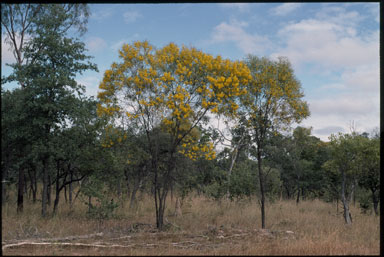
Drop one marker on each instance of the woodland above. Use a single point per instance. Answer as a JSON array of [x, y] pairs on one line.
[[169, 126]]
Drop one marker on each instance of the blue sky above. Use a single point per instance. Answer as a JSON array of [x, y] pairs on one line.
[[333, 47]]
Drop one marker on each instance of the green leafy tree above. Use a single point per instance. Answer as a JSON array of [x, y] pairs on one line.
[[369, 160], [344, 162], [273, 101], [52, 60]]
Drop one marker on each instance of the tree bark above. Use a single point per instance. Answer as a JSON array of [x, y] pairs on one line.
[[20, 191], [298, 196], [57, 196], [33, 183], [345, 200], [45, 189], [375, 201], [261, 181], [4, 181], [70, 190], [233, 161], [178, 211], [49, 188]]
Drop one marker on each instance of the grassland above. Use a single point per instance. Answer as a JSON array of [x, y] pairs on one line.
[[206, 227]]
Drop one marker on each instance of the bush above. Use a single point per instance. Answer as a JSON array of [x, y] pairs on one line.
[[103, 210]]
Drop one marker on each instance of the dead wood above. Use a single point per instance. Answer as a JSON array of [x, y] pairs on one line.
[[61, 244]]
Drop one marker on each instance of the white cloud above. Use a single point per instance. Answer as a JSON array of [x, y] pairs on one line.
[[91, 84], [242, 7], [344, 105], [131, 16], [117, 46], [102, 14], [329, 45], [234, 32], [95, 44], [285, 8], [339, 111], [364, 80], [339, 15]]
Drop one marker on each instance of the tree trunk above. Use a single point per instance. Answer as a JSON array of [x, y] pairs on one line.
[[56, 202], [132, 202], [4, 180], [233, 161], [33, 183], [160, 220], [344, 200], [261, 181], [375, 201], [298, 196], [65, 194], [45, 189], [118, 189], [281, 193], [49, 188], [89, 204], [178, 211], [57, 196], [288, 192], [20, 191], [70, 190], [25, 184], [127, 183]]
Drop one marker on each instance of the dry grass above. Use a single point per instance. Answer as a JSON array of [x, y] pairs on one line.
[[206, 228]]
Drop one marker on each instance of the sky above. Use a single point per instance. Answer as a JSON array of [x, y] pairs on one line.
[[333, 48]]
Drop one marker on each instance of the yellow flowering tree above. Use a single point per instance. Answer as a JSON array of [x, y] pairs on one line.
[[273, 102], [172, 89]]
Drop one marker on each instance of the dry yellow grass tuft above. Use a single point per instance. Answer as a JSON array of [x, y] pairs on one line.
[[205, 227]]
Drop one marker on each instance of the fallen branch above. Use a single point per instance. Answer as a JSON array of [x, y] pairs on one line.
[[47, 240], [69, 238], [61, 244]]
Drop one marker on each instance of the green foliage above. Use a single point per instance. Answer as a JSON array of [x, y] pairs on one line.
[[104, 209], [105, 206], [217, 188], [243, 180], [364, 198]]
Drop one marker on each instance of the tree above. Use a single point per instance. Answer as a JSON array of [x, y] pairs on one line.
[[369, 159], [52, 60], [170, 91], [344, 161], [273, 101], [77, 147], [15, 141], [19, 21], [22, 22]]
